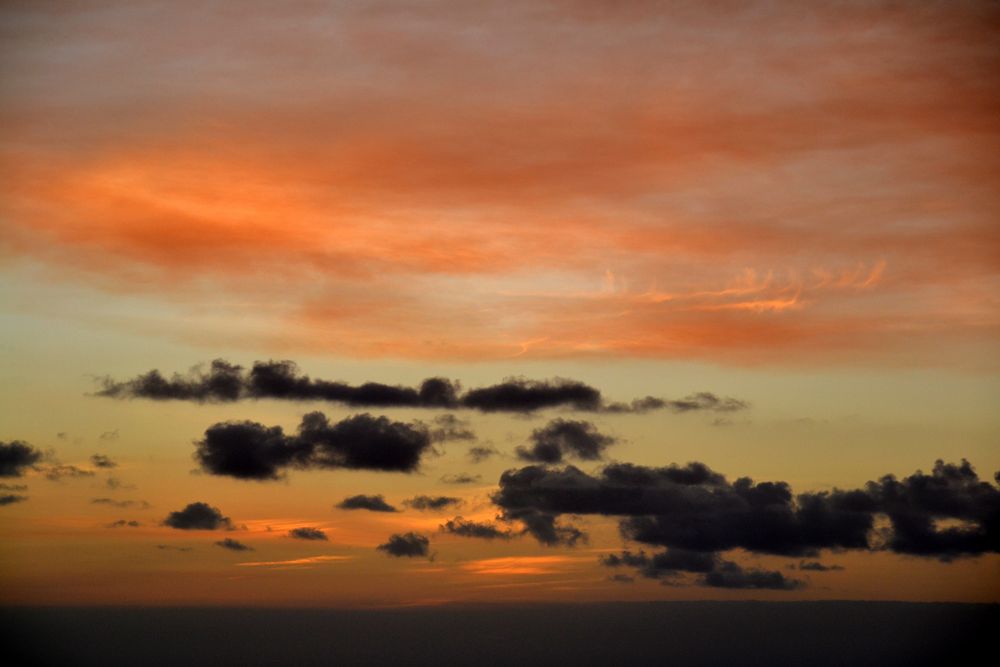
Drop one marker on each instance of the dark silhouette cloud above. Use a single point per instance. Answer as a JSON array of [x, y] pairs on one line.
[[731, 575], [141, 504], [362, 502], [464, 528], [102, 461], [522, 395], [248, 450], [816, 566], [223, 381], [109, 435], [116, 484], [947, 514], [13, 487], [11, 498], [198, 516], [307, 534], [16, 456], [543, 526], [951, 492], [122, 523], [232, 545], [434, 503], [666, 563], [407, 545], [565, 438], [168, 547]]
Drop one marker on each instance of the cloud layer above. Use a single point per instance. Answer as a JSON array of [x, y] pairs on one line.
[[223, 382]]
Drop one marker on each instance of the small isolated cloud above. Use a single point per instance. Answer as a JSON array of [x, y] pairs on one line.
[[449, 427], [141, 504], [407, 545], [13, 487], [432, 503], [168, 547], [16, 456], [109, 435], [122, 523], [59, 472], [314, 534], [102, 461], [461, 478], [731, 575], [116, 484], [566, 438], [198, 516], [11, 498], [362, 502], [816, 566], [481, 453], [233, 545], [465, 528]]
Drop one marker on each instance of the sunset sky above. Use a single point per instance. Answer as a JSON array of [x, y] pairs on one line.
[[639, 252]]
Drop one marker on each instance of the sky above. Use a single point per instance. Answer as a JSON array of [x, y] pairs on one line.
[[383, 304]]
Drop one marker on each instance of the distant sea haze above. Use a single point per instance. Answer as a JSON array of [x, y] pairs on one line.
[[657, 633]]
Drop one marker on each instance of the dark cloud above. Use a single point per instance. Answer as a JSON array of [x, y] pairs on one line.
[[58, 472], [947, 514], [565, 438], [464, 528], [307, 534], [168, 547], [621, 578], [815, 566], [198, 516], [11, 498], [109, 435], [461, 478], [16, 456], [544, 527], [917, 504], [434, 503], [223, 381], [731, 575], [122, 523], [232, 545], [408, 545], [371, 503], [248, 450], [13, 487], [141, 504], [102, 461], [481, 453], [666, 563], [523, 395]]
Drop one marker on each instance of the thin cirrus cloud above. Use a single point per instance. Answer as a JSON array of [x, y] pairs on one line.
[[224, 382], [859, 174]]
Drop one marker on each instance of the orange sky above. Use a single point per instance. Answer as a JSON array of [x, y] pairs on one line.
[[792, 204]]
